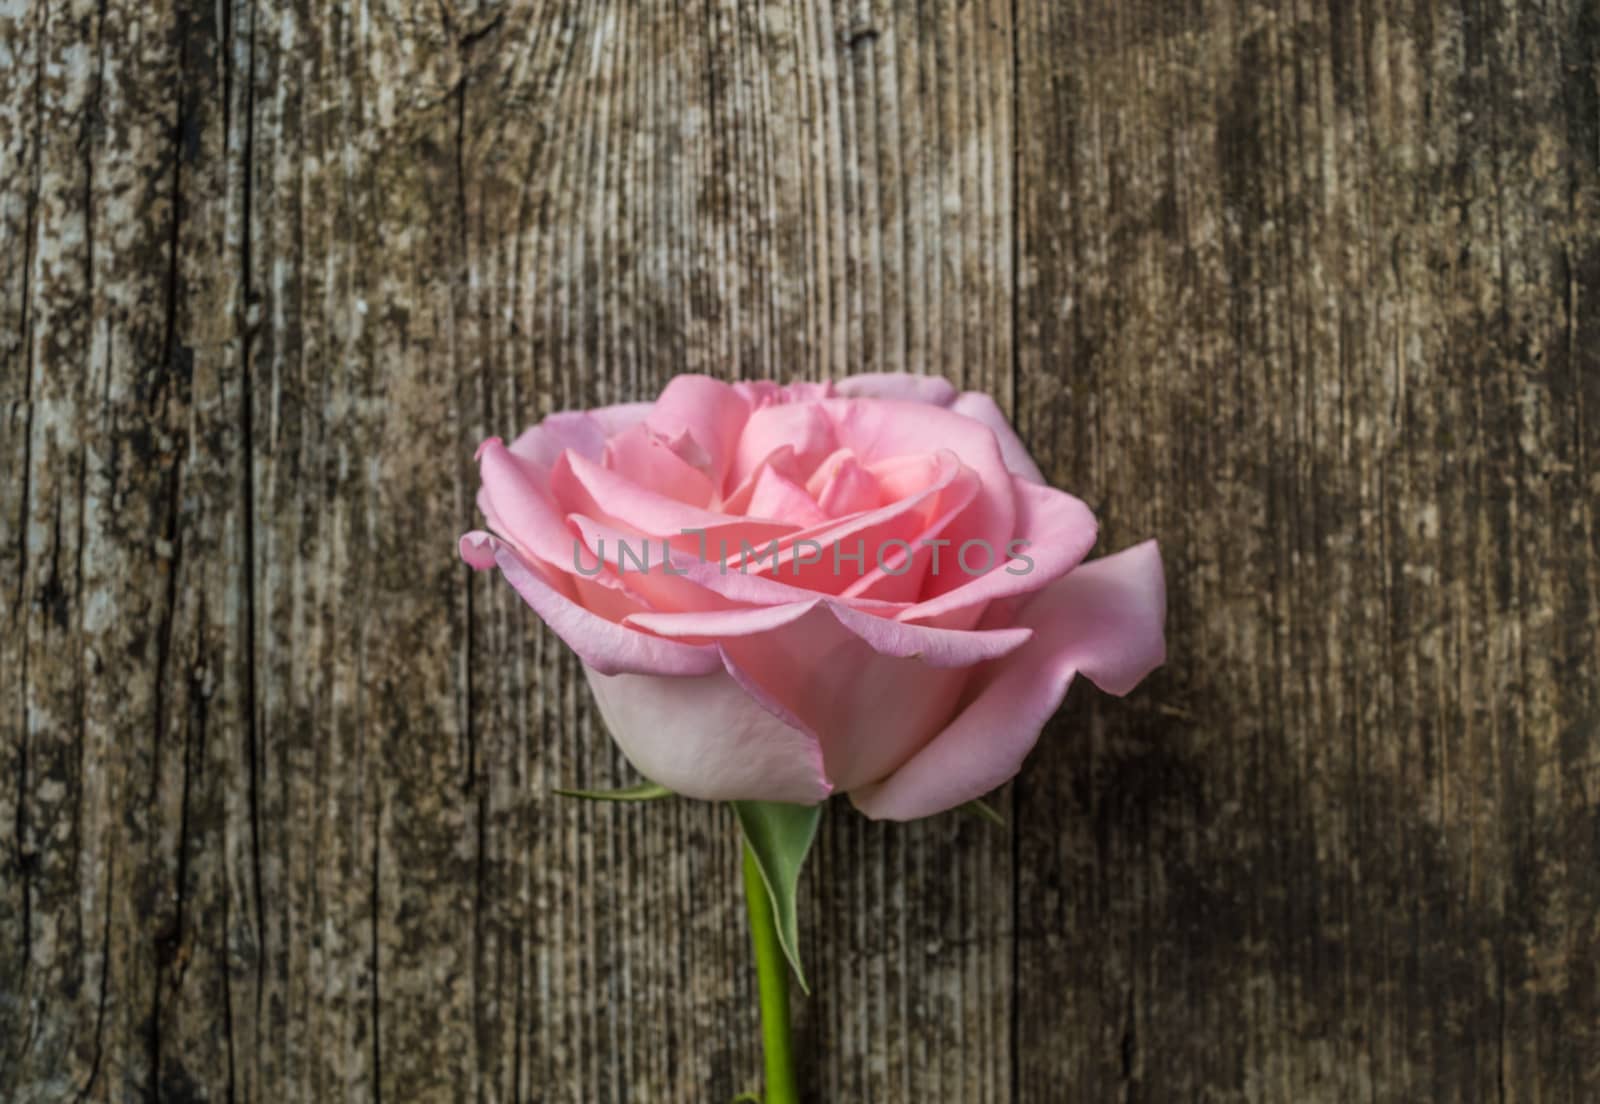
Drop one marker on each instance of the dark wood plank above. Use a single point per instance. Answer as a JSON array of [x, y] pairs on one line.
[[1310, 295]]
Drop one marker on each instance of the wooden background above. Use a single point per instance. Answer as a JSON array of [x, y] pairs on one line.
[[1310, 292]]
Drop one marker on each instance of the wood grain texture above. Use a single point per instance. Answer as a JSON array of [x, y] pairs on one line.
[[1307, 292], [1320, 309]]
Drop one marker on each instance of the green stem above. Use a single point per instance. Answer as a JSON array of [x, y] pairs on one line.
[[772, 972]]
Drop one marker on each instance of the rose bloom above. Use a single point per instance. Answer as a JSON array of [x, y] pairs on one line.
[[779, 593]]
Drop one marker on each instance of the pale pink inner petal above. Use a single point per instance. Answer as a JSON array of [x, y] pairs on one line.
[[710, 412], [885, 431], [803, 427], [830, 557], [778, 497], [901, 572], [583, 487], [781, 460], [846, 487], [647, 459]]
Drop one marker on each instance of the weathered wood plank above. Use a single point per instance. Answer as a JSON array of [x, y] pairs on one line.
[[1310, 294], [789, 190], [124, 685]]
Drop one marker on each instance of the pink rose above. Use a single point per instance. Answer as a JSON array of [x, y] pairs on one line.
[[783, 592]]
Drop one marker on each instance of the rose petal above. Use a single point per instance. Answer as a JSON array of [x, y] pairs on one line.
[[583, 431], [902, 574], [846, 486], [618, 417], [710, 412], [935, 647], [980, 407], [518, 507], [639, 567], [606, 646], [648, 461], [713, 625], [885, 430], [744, 588], [781, 499], [583, 487], [934, 390], [707, 738], [1058, 531], [869, 710], [737, 501], [802, 427], [1103, 619], [541, 445]]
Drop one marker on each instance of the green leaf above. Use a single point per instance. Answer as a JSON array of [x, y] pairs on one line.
[[781, 835], [642, 791], [981, 808]]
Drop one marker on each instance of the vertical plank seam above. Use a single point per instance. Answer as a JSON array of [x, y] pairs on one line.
[[1014, 1026], [243, 327], [24, 860], [166, 942], [470, 780]]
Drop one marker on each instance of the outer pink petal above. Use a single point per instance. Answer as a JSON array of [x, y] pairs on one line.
[[707, 738], [978, 406], [721, 624], [935, 647], [604, 645], [541, 444], [583, 431], [1104, 619], [519, 507], [870, 711], [934, 390]]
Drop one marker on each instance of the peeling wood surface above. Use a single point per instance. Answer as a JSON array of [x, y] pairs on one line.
[[1310, 294]]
